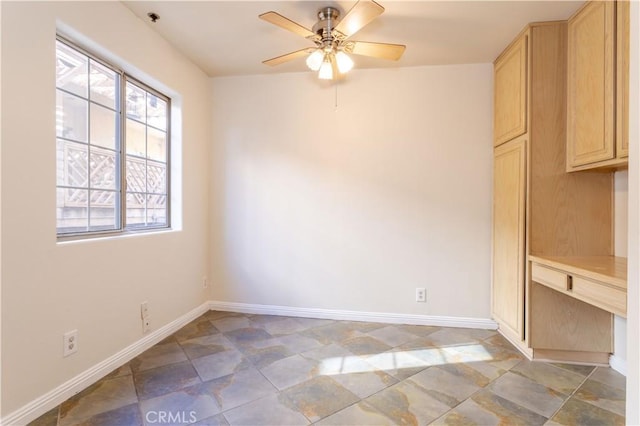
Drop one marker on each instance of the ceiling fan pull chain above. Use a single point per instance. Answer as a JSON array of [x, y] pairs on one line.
[[336, 95]]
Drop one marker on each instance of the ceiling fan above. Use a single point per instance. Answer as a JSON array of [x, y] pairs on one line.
[[331, 37]]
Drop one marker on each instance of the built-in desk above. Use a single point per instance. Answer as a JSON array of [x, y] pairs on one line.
[[598, 280]]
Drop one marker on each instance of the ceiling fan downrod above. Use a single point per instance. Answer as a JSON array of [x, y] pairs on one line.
[[327, 21]]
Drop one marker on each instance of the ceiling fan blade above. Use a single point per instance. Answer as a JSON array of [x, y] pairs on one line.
[[376, 50], [286, 23], [360, 15], [288, 57]]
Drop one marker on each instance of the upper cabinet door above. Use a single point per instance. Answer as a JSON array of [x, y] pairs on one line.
[[510, 82], [591, 92], [622, 78]]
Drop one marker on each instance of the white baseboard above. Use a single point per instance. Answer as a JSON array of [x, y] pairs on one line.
[[336, 314], [50, 400], [619, 364]]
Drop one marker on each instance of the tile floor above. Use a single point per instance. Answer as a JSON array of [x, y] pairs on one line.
[[239, 369]]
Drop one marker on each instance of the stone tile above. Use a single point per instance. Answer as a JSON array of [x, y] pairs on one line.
[[128, 415], [215, 315], [336, 332], [576, 412], [319, 397], [365, 345], [327, 352], [259, 321], [558, 379], [448, 388], [400, 364], [406, 403], [603, 396], [157, 356], [528, 394], [476, 333], [284, 326], [478, 373], [218, 420], [50, 418], [583, 370], [220, 364], [124, 370], [298, 343], [487, 409], [363, 326], [230, 323], [247, 336], [392, 335], [263, 357], [103, 396], [187, 405], [366, 383], [418, 330], [610, 377], [314, 322], [199, 328], [274, 409], [165, 379], [345, 364], [206, 345], [357, 415], [450, 337], [290, 371], [237, 389]]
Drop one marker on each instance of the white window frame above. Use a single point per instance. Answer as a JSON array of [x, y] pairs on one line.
[[121, 156]]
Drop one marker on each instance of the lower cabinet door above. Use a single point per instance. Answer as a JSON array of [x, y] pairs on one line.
[[509, 186]]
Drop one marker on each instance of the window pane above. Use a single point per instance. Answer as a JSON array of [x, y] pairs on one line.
[[136, 212], [156, 210], [136, 175], [103, 210], [71, 70], [102, 84], [103, 168], [136, 102], [72, 210], [156, 144], [136, 140], [156, 177], [71, 116], [156, 112], [103, 126], [72, 164]]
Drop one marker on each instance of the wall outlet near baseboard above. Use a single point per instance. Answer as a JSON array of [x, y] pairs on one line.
[[421, 294], [205, 281], [70, 343], [144, 310], [146, 325]]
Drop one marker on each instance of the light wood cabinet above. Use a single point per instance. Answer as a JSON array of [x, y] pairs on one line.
[[510, 92], [539, 209], [597, 70], [509, 192]]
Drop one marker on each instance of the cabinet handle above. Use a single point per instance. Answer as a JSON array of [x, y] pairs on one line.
[[569, 283]]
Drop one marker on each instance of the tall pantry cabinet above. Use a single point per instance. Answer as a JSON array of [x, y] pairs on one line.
[[539, 209]]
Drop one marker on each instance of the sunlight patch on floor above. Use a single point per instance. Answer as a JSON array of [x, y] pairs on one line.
[[418, 358]]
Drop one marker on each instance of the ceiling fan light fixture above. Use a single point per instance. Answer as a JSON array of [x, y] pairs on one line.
[[315, 59], [344, 62], [326, 70]]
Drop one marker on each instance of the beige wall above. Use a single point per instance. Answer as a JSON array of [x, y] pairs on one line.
[[93, 286], [353, 207]]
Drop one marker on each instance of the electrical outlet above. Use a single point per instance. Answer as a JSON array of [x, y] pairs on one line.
[[69, 342], [146, 324], [144, 310], [421, 294], [205, 282]]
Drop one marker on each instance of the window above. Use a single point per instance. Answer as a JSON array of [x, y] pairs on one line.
[[112, 148]]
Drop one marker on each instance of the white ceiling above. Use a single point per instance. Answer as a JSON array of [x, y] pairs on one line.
[[227, 38]]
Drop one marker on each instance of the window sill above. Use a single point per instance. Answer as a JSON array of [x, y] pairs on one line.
[[109, 236]]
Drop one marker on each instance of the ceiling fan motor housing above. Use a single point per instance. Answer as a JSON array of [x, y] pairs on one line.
[[328, 19]]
